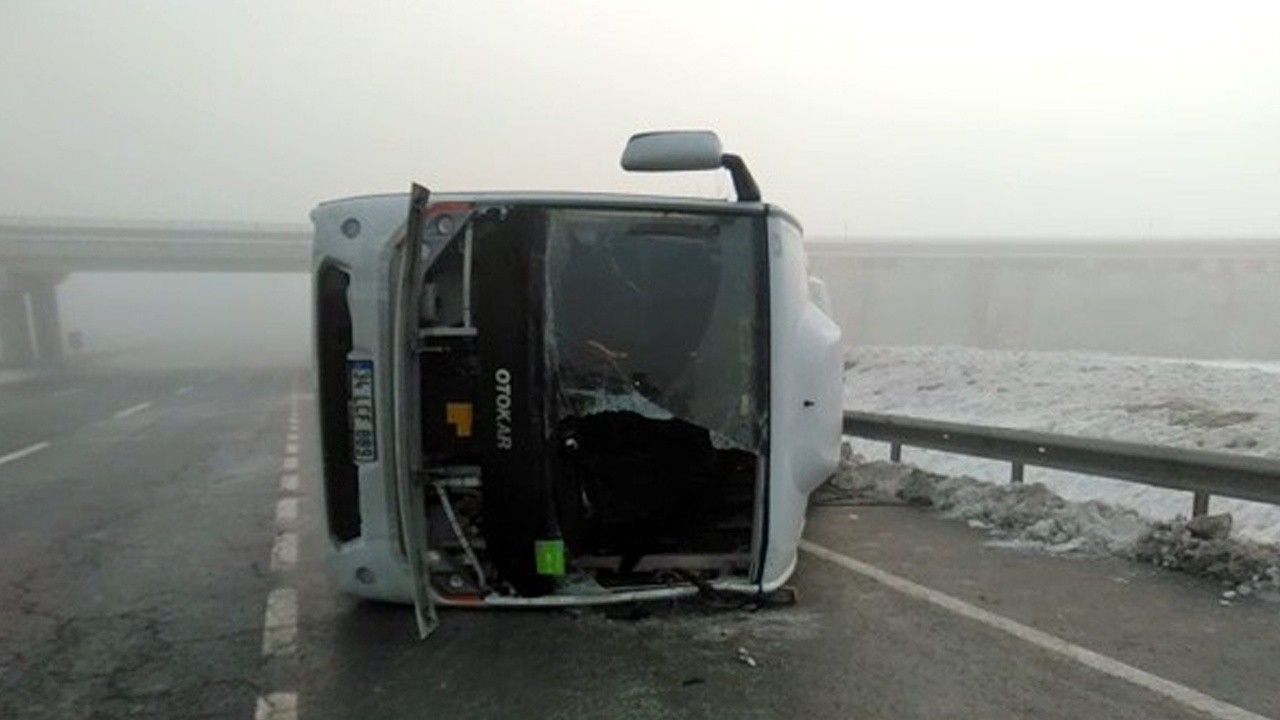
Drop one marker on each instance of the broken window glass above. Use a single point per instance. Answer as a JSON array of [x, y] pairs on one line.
[[658, 314]]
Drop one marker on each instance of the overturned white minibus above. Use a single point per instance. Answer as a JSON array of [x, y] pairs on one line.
[[550, 399]]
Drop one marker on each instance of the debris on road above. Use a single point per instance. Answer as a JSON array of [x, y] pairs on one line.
[[746, 658], [628, 612]]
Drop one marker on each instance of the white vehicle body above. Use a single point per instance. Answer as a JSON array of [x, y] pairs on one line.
[[568, 398]]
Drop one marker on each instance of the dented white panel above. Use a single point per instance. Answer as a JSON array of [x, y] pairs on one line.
[[805, 399]]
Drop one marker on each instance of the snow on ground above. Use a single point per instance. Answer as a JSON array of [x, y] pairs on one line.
[[1225, 406]]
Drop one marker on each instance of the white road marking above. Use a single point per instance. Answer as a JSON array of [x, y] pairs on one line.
[[284, 553], [280, 624], [28, 450], [184, 390], [1179, 693], [286, 510], [277, 706], [67, 392], [132, 410]]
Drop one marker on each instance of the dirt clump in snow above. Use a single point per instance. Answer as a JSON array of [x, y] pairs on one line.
[[1189, 414], [1032, 515], [1182, 545]]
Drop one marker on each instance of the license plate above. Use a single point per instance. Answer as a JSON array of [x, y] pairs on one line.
[[364, 436]]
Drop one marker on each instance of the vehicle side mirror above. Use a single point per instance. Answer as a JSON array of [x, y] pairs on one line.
[[673, 150]]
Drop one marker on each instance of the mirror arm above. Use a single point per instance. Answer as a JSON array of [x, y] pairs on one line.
[[743, 184]]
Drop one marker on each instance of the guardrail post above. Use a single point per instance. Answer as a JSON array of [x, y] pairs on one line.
[[1200, 504], [895, 452], [1016, 477]]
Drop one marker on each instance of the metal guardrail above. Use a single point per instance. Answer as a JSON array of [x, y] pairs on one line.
[[1201, 472]]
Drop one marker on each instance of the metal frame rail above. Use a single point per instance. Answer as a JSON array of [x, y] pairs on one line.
[[1201, 472]]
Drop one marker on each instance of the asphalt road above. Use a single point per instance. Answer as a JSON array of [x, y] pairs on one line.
[[133, 562], [148, 569]]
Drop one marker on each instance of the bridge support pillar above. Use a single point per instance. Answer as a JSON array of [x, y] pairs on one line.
[[34, 337], [43, 294], [16, 347]]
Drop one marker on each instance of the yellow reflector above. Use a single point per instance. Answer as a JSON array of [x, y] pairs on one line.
[[459, 416]]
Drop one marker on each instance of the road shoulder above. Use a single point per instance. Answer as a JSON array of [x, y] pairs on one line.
[[1165, 623]]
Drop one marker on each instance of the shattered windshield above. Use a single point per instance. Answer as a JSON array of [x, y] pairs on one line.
[[659, 314]]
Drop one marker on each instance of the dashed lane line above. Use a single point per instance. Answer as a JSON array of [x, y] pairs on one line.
[[24, 452], [280, 623], [132, 410], [284, 553], [68, 392], [286, 510], [1177, 692], [184, 390]]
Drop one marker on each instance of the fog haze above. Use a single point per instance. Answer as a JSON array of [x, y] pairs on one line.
[[189, 319], [916, 118], [928, 119]]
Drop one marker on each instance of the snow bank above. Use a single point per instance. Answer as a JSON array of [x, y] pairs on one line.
[[1214, 405], [1031, 515], [1028, 512]]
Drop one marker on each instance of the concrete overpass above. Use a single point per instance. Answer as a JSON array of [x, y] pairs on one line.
[[1032, 293], [36, 255], [1171, 297]]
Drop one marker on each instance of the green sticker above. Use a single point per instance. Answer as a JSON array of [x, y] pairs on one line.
[[550, 556]]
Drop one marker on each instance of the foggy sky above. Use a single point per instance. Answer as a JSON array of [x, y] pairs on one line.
[[904, 118]]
